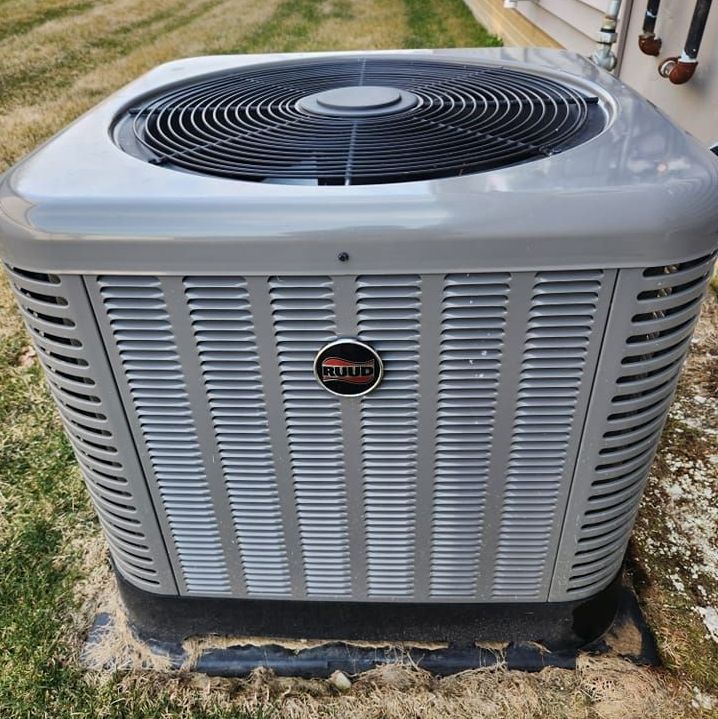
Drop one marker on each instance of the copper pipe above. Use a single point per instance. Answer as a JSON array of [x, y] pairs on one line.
[[650, 44], [682, 72]]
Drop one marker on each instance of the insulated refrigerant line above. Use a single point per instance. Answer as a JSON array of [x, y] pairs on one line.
[[647, 40]]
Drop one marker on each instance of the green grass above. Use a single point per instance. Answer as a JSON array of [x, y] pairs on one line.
[[28, 22], [433, 24], [45, 510], [32, 81], [292, 23]]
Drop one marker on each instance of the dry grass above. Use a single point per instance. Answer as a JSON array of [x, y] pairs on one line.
[[28, 116], [603, 689], [62, 67]]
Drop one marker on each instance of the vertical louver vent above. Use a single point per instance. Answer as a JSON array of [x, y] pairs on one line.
[[491, 463], [388, 309], [50, 317], [665, 310], [473, 323], [221, 318], [560, 324], [303, 316], [142, 331]]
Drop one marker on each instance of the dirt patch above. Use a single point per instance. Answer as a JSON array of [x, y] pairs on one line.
[[115, 647], [27, 356], [616, 692], [625, 639]]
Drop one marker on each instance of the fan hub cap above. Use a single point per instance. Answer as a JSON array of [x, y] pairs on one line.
[[358, 101]]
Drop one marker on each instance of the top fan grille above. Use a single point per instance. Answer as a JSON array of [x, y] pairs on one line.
[[258, 124]]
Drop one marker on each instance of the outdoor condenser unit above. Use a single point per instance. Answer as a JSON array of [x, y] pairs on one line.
[[365, 344]]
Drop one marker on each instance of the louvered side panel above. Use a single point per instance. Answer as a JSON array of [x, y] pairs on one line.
[[473, 323], [388, 309], [560, 325], [144, 339], [224, 334], [304, 320], [649, 334], [62, 327]]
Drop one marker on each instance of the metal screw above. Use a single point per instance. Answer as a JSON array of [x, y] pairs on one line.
[[343, 257]]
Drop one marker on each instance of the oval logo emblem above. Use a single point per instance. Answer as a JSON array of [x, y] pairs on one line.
[[348, 368]]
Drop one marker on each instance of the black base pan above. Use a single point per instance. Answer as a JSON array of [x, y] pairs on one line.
[[532, 635], [557, 625]]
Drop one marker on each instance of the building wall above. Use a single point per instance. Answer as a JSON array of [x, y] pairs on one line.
[[574, 24], [556, 23], [512, 27]]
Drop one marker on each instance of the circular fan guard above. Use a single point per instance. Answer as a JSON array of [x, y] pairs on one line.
[[252, 124]]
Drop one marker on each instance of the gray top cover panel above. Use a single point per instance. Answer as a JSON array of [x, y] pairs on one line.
[[641, 192]]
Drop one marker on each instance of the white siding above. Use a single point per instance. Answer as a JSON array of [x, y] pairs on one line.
[[514, 29], [573, 23]]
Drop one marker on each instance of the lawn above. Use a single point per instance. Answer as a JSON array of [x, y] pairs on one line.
[[59, 58]]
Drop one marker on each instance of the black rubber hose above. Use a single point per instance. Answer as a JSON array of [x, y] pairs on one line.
[[698, 26], [649, 19]]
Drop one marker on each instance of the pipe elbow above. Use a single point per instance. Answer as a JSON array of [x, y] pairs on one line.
[[682, 72], [649, 44]]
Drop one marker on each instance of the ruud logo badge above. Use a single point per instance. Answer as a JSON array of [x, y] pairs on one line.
[[348, 368]]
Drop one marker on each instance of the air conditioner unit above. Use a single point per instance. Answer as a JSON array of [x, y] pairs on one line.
[[369, 343]]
